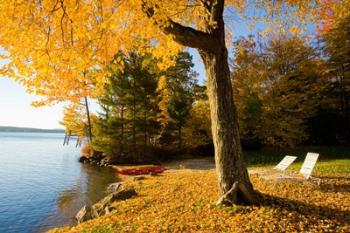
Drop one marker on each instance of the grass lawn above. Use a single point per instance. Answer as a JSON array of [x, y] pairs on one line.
[[183, 201]]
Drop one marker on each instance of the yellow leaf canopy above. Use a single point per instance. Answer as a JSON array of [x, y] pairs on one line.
[[59, 49]]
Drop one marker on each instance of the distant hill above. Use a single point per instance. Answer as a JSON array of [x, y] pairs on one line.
[[29, 130]]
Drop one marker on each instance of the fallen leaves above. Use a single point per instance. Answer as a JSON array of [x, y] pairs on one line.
[[183, 201]]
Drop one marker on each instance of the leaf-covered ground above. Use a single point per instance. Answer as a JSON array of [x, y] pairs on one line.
[[183, 201]]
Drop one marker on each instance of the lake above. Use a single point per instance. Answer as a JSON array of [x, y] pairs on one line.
[[42, 184]]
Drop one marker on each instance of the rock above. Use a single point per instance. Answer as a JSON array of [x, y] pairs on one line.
[[84, 214], [138, 178], [99, 209], [104, 162], [121, 195], [83, 159], [107, 210], [103, 206], [114, 187]]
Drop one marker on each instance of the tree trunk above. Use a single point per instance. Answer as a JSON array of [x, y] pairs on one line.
[[234, 183], [180, 137], [145, 128], [65, 138], [88, 117], [134, 117], [121, 147]]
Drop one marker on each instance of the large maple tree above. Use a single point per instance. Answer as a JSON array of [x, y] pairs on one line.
[[59, 49]]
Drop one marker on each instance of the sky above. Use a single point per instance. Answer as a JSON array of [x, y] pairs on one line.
[[16, 109]]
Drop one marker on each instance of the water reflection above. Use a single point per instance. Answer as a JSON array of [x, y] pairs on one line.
[[89, 188], [41, 183]]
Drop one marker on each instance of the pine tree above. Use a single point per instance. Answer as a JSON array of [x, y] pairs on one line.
[[128, 112], [144, 108], [180, 83]]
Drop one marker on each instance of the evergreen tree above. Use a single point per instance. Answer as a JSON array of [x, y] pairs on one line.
[[181, 83], [128, 110], [143, 107]]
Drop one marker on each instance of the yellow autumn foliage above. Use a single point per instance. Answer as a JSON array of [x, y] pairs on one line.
[[59, 49], [74, 120], [163, 117]]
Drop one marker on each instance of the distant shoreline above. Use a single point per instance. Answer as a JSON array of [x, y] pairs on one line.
[[28, 130]]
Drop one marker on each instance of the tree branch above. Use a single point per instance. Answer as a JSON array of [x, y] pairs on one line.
[[186, 36], [217, 11], [206, 4]]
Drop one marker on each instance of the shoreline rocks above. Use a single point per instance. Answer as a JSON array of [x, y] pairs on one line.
[[103, 206], [114, 187], [88, 155], [84, 214]]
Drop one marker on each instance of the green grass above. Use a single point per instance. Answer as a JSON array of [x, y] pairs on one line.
[[332, 160], [329, 167], [271, 156]]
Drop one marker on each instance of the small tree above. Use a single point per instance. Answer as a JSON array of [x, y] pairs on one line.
[[74, 121]]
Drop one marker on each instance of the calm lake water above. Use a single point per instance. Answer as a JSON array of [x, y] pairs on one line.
[[41, 183]]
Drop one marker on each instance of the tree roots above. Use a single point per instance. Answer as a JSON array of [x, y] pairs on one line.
[[239, 193]]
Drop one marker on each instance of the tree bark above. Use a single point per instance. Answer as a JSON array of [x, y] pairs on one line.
[[65, 138], [230, 165], [88, 117], [145, 128], [134, 118], [180, 137], [121, 130]]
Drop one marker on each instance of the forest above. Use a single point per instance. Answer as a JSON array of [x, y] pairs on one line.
[[289, 91]]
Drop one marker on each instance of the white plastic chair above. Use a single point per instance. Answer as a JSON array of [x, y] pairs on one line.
[[305, 170], [285, 163], [309, 164], [279, 168]]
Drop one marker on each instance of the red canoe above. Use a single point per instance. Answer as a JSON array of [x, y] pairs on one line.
[[141, 170]]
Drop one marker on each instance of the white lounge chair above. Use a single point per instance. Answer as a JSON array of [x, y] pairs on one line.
[[279, 168], [285, 162], [309, 164], [306, 169]]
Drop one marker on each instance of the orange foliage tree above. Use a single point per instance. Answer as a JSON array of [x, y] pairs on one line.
[[59, 48], [331, 13]]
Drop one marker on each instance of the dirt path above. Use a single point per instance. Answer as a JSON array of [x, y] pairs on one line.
[[192, 164], [205, 163]]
